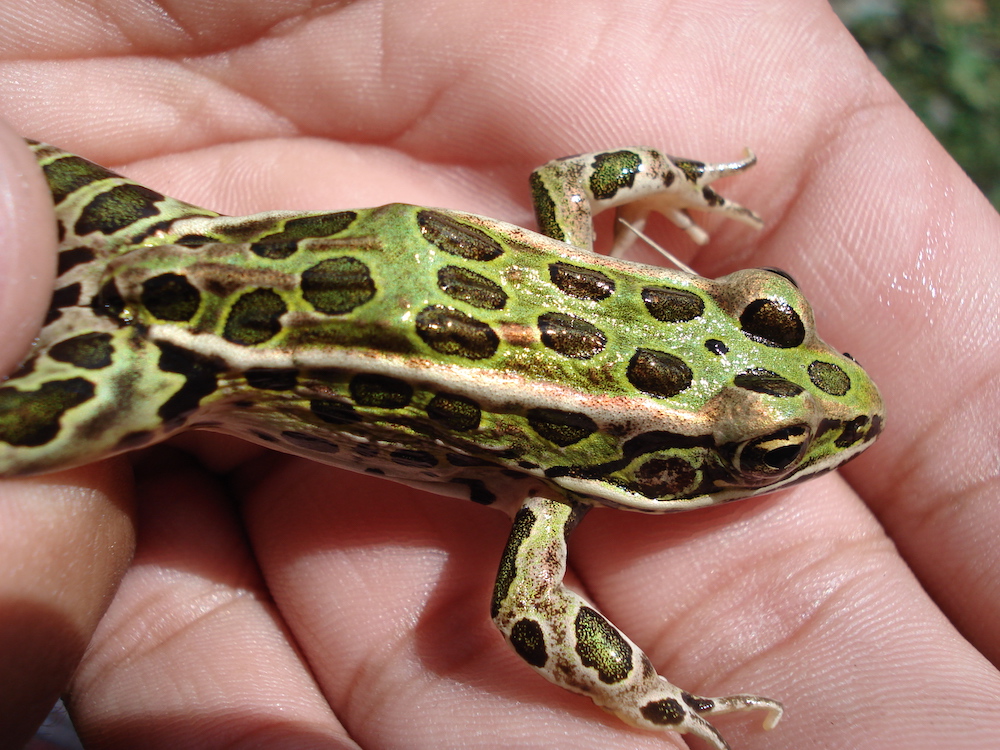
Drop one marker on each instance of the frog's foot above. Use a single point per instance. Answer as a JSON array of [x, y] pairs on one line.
[[680, 195], [572, 644], [730, 703], [569, 192], [666, 706]]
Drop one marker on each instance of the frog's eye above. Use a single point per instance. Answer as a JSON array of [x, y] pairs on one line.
[[773, 323], [782, 274], [771, 455]]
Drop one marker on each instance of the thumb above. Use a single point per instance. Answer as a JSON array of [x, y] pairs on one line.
[[27, 248]]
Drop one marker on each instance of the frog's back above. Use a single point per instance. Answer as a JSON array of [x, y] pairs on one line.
[[422, 344]]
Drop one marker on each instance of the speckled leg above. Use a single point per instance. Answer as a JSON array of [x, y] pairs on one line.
[[572, 644]]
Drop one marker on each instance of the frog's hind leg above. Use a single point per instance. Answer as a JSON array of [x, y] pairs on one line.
[[572, 644], [89, 393]]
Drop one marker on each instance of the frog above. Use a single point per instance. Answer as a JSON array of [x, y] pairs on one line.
[[453, 352]]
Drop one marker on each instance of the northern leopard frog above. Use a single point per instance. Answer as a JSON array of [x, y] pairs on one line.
[[433, 346]]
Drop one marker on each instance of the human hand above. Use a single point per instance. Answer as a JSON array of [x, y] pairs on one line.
[[283, 601]]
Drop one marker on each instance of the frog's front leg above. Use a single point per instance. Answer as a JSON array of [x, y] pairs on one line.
[[569, 192], [572, 644]]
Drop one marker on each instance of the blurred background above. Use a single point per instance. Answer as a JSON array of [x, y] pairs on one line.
[[943, 57]]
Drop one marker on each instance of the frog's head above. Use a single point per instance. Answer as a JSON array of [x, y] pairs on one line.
[[802, 409], [766, 404]]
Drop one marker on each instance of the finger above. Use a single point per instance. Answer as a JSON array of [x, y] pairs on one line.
[[65, 541], [27, 248], [933, 479], [191, 652]]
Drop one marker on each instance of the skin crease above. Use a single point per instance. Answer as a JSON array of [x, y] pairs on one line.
[[276, 602]]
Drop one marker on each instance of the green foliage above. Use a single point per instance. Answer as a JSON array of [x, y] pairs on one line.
[[942, 57]]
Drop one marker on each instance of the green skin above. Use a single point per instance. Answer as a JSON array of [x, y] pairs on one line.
[[435, 347]]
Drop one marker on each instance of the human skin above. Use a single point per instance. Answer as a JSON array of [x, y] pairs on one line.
[[276, 602]]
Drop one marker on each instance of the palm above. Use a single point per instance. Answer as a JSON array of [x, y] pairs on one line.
[[336, 607]]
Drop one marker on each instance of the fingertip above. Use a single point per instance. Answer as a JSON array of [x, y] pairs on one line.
[[65, 542], [27, 248]]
